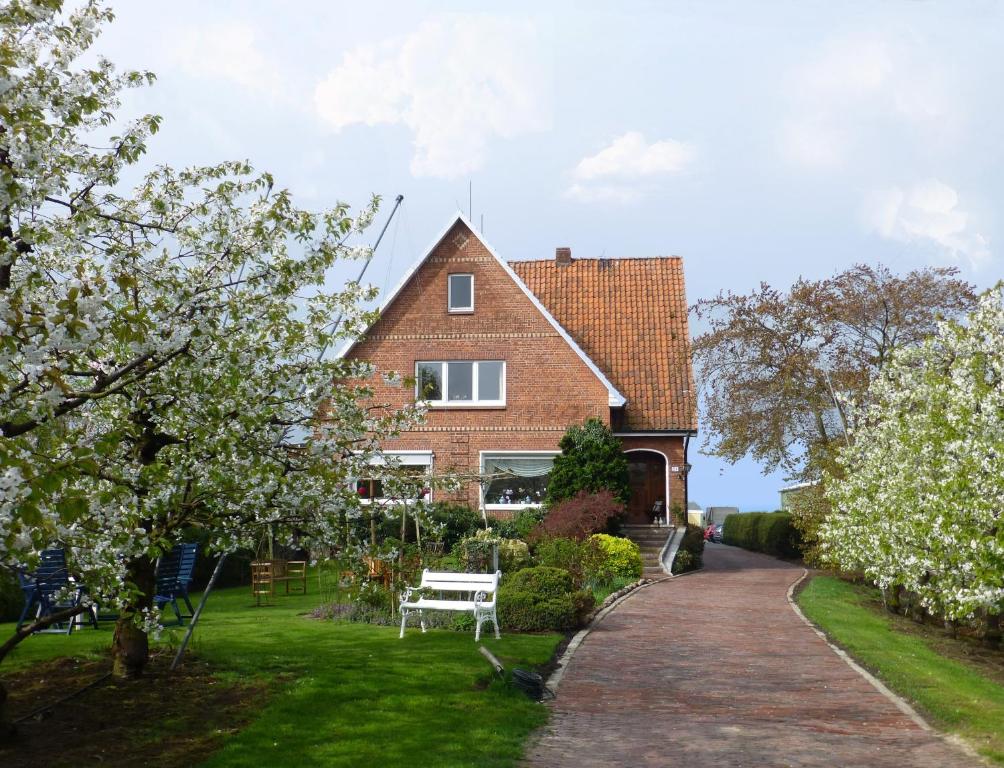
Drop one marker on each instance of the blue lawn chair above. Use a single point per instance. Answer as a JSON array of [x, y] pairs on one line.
[[174, 574], [48, 590]]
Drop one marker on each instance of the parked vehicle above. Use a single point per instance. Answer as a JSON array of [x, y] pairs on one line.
[[718, 535], [709, 532]]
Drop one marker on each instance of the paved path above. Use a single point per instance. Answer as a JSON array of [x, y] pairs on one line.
[[715, 669]]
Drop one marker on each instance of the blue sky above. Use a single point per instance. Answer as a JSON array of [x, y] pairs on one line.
[[760, 141]]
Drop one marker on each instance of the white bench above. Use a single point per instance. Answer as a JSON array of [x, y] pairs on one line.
[[475, 594]]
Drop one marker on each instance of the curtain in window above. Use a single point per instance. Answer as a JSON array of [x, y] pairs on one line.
[[520, 467]]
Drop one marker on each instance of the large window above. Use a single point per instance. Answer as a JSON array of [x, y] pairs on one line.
[[515, 480], [460, 383], [461, 293]]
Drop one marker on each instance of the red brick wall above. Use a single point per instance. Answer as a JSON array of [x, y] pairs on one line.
[[548, 387]]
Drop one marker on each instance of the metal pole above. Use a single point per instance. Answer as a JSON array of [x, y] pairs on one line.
[[198, 612]]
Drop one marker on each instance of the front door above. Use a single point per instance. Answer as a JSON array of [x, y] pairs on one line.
[[647, 475]]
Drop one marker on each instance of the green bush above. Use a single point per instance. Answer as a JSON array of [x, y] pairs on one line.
[[591, 459], [520, 524], [621, 557], [540, 599], [582, 559], [690, 555], [453, 522], [772, 533], [475, 552]]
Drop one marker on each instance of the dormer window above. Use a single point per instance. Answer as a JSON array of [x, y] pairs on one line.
[[461, 293]]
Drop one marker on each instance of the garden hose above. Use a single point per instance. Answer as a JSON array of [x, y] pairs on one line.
[[531, 684]]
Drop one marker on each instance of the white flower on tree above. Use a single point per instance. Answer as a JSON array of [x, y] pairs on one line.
[[920, 503], [159, 346]]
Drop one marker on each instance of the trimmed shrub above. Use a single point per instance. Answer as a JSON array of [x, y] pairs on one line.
[[591, 460], [582, 559], [542, 580], [772, 533], [621, 557], [582, 516], [541, 599], [690, 555]]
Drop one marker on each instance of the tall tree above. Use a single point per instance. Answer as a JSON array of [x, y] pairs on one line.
[[918, 504], [779, 368], [162, 360]]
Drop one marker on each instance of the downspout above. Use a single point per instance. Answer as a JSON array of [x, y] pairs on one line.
[[686, 480]]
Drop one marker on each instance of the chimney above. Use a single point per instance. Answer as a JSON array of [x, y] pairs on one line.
[[563, 256]]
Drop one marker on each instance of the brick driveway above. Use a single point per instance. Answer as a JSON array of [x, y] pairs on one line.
[[715, 669]]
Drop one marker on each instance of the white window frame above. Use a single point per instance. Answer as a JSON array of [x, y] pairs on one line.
[[404, 459], [445, 384], [482, 455], [449, 293]]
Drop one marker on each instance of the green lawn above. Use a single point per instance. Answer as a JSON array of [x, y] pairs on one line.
[[957, 697], [349, 694]]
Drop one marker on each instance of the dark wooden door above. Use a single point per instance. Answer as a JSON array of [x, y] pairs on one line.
[[647, 475]]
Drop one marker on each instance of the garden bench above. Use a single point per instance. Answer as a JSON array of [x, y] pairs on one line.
[[474, 593]]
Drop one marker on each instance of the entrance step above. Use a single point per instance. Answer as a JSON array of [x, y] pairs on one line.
[[650, 540]]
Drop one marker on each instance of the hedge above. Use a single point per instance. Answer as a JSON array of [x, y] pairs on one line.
[[772, 533], [540, 599]]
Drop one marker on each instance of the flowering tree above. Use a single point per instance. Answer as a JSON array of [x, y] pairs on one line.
[[162, 359], [919, 504]]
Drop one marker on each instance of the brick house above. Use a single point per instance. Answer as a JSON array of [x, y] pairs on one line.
[[508, 355]]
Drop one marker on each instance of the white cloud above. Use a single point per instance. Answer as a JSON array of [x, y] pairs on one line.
[[926, 213], [228, 52], [861, 88], [630, 157], [456, 83], [628, 160]]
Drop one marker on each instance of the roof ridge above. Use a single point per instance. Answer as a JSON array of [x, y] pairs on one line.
[[588, 259]]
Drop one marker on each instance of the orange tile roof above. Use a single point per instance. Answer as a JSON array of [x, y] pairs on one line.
[[630, 317]]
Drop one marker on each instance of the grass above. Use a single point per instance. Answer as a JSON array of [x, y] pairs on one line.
[[956, 695], [602, 591], [348, 694]]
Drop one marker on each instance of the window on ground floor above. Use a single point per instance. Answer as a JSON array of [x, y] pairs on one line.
[[397, 476], [516, 479]]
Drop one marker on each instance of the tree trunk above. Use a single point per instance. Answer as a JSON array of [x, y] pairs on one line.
[[130, 645], [991, 629]]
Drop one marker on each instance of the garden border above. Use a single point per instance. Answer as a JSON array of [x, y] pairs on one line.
[[898, 701]]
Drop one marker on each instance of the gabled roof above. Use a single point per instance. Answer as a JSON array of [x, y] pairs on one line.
[[630, 316], [615, 398]]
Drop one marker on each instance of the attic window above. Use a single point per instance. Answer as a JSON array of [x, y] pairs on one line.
[[461, 293]]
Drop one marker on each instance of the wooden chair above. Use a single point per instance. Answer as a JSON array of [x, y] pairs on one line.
[[174, 574], [262, 580], [49, 590], [378, 570]]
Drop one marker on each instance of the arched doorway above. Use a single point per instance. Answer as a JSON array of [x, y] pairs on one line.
[[649, 484]]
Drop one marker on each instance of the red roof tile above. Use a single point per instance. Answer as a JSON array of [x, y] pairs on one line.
[[630, 317]]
